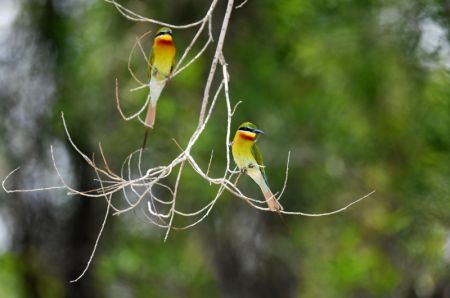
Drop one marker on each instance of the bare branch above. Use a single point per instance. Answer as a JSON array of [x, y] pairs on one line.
[[136, 184], [27, 190], [217, 54], [331, 212], [172, 210], [242, 4], [130, 70], [97, 240], [138, 18]]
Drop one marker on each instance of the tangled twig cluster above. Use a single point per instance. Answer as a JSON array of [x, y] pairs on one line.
[[161, 212]]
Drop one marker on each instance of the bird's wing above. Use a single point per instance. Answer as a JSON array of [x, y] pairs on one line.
[[150, 63], [259, 160], [173, 64]]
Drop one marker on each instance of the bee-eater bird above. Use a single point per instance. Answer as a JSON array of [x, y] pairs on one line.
[[160, 66], [249, 160]]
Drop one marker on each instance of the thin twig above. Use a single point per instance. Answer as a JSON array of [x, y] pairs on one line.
[[242, 4], [97, 240], [138, 184], [331, 212]]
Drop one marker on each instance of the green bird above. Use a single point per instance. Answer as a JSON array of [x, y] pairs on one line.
[[160, 66], [248, 158]]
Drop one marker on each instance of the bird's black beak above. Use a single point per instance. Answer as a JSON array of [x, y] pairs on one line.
[[258, 131]]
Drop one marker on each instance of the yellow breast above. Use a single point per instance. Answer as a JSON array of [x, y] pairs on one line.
[[242, 149], [164, 55]]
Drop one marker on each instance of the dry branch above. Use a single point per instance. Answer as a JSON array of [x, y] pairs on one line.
[[141, 188]]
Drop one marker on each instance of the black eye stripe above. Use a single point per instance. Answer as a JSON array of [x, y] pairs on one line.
[[164, 33], [246, 129]]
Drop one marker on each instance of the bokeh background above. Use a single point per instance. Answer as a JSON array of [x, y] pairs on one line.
[[358, 91]]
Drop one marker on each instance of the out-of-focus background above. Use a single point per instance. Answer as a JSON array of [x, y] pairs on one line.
[[358, 91]]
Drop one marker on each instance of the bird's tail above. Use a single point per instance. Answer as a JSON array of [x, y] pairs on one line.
[[271, 200], [151, 114], [149, 121], [145, 138], [156, 87]]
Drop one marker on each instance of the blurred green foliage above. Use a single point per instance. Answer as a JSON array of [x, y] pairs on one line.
[[346, 86]]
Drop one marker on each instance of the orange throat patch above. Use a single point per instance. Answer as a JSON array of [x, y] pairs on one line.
[[247, 135], [164, 40]]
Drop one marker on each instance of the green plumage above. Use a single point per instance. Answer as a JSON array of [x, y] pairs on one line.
[[259, 160], [249, 159]]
